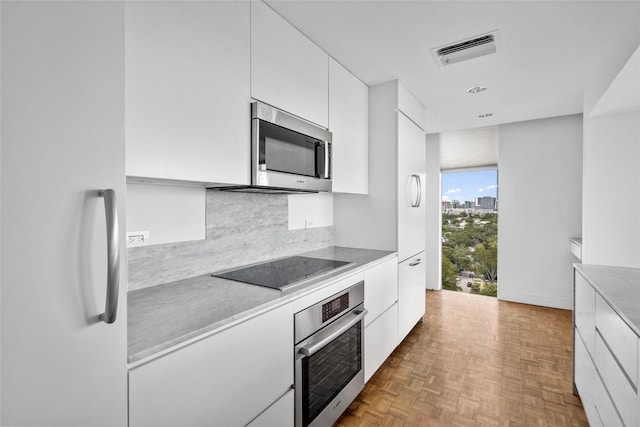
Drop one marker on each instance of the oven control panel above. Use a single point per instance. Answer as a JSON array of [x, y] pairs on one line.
[[335, 307], [326, 311]]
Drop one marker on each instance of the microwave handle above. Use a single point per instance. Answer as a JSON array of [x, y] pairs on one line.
[[323, 153]]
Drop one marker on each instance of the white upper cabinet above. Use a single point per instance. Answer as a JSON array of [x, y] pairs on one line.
[[187, 91], [288, 70], [348, 122]]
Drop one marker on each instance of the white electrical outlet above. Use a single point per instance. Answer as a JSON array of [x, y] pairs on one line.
[[308, 223], [137, 238]]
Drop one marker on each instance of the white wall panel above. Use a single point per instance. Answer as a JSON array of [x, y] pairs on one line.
[[611, 231], [540, 184], [433, 247]]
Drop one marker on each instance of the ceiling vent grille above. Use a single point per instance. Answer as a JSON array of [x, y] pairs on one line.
[[463, 50]]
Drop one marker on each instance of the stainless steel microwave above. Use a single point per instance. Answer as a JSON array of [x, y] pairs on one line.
[[287, 152]]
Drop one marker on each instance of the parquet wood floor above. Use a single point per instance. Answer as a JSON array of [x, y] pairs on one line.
[[475, 361]]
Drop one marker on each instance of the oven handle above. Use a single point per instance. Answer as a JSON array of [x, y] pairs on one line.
[[310, 350]]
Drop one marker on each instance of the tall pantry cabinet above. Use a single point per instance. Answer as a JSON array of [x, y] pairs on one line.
[[62, 142], [392, 215]]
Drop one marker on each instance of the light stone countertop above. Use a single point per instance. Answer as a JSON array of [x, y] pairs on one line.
[[620, 287], [169, 315]]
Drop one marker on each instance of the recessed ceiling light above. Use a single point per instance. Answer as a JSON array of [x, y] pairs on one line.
[[476, 89], [485, 115]]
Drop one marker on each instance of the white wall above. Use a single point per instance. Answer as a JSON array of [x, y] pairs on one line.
[[611, 192], [433, 247], [540, 181], [169, 213], [310, 210], [611, 231]]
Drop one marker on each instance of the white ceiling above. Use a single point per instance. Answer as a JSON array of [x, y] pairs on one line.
[[552, 56]]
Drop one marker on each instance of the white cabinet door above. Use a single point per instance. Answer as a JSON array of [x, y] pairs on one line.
[[288, 70], [411, 188], [380, 288], [585, 312], [380, 339], [62, 141], [187, 92], [280, 414], [585, 377], [348, 122], [622, 393], [226, 379], [411, 294], [620, 339]]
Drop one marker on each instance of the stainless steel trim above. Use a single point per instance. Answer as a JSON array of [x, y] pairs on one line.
[[417, 262], [271, 114], [322, 338], [113, 255], [309, 320]]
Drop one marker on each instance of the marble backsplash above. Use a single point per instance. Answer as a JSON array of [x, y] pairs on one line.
[[242, 228]]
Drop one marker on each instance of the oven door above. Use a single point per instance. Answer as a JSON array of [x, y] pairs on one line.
[[329, 370]]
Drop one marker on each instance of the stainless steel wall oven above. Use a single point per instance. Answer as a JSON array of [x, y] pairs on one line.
[[329, 357]]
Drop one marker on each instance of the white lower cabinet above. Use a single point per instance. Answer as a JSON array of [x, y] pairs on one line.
[[380, 339], [280, 414], [380, 288], [411, 293], [381, 321], [620, 339], [605, 360], [585, 376], [617, 383], [585, 312], [227, 379]]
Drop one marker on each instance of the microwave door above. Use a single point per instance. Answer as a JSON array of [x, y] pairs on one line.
[[293, 156]]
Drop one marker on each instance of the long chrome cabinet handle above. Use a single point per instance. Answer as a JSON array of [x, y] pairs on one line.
[[310, 350], [113, 255]]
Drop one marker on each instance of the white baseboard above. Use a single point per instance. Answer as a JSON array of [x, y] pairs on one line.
[[540, 300]]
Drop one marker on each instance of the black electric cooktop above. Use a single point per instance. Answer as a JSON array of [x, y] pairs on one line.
[[281, 273]]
